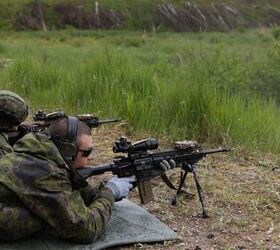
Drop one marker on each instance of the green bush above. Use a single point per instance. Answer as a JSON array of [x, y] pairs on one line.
[[276, 32]]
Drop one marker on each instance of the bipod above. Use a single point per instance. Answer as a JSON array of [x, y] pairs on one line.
[[190, 168]]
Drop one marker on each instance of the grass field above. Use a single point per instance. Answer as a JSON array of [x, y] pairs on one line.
[[214, 87]]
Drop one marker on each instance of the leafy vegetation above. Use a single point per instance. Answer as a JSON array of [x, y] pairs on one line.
[[194, 86], [138, 14]]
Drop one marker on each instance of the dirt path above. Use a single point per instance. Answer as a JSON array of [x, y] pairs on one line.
[[242, 198]]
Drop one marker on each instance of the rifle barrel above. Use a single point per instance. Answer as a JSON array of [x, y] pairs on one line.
[[109, 120], [94, 170], [94, 123], [216, 150]]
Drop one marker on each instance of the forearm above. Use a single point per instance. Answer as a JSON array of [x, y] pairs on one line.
[[90, 222], [89, 192], [74, 221], [101, 209]]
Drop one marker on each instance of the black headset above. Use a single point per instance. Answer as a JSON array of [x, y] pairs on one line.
[[69, 150], [67, 146], [72, 128]]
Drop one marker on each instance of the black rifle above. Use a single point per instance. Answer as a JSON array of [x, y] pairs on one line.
[[146, 165], [43, 120], [89, 119]]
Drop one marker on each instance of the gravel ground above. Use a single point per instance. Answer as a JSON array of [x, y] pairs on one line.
[[242, 195]]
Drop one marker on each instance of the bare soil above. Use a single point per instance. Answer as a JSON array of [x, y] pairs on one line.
[[242, 195]]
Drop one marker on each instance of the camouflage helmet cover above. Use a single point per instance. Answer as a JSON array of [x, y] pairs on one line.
[[13, 109]]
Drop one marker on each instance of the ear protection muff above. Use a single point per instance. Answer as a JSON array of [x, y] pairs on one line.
[[67, 146], [72, 128], [69, 150]]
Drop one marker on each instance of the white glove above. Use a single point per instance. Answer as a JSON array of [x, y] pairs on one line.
[[120, 187]]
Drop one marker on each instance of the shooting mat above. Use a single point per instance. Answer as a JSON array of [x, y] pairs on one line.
[[129, 224]]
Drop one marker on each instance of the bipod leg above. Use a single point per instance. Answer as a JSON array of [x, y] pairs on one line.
[[199, 191], [182, 180]]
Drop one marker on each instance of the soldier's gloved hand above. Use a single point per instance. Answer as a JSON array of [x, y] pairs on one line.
[[120, 187], [166, 165]]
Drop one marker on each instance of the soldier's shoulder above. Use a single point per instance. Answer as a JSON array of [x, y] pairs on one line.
[[5, 147]]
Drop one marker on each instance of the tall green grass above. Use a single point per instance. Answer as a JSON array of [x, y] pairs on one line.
[[182, 90]]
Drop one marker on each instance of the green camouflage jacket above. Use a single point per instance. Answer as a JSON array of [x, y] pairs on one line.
[[36, 192], [4, 145]]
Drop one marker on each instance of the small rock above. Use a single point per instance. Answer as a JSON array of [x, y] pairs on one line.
[[210, 236], [240, 247], [248, 239], [138, 245]]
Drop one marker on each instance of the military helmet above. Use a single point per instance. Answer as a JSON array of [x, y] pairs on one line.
[[13, 109]]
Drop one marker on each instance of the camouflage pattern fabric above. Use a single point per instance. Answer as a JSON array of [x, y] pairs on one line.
[[36, 192], [5, 148]]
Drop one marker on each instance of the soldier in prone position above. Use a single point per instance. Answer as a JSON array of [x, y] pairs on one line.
[[13, 111], [41, 188]]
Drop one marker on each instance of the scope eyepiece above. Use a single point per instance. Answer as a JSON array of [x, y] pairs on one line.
[[42, 116], [39, 116], [124, 146]]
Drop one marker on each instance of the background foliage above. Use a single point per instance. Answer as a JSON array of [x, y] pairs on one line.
[[138, 14], [213, 87]]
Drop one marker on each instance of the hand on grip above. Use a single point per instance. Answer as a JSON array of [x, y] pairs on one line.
[[120, 187]]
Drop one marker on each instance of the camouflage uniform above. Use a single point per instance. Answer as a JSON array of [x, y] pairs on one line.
[[4, 145], [13, 111], [36, 191]]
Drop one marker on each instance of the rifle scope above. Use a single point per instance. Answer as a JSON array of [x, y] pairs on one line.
[[124, 146], [42, 116]]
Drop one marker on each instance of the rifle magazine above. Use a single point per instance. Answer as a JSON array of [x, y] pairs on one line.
[[145, 191]]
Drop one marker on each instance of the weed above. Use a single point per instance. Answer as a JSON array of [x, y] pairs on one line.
[[62, 39], [238, 223], [276, 32], [194, 90], [2, 49]]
